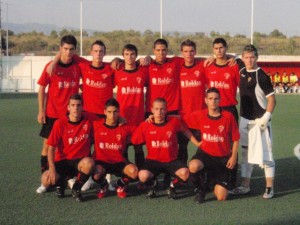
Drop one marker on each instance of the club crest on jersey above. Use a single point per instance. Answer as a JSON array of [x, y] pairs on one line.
[[118, 136], [249, 79], [169, 134], [227, 76], [197, 73], [139, 79], [104, 76], [169, 70], [221, 128]]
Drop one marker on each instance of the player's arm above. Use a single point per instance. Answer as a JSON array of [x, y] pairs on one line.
[[189, 135], [145, 61], [263, 121], [233, 158], [41, 118], [231, 60], [51, 66], [52, 171]]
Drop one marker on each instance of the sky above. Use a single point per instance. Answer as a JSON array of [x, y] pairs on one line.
[[233, 16]]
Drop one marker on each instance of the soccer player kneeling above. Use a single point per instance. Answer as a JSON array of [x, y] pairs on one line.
[[69, 150], [110, 144], [162, 146], [219, 131]]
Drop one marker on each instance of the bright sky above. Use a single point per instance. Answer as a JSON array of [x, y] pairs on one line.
[[233, 16]]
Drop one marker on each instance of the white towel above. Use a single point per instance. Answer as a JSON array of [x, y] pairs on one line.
[[259, 146]]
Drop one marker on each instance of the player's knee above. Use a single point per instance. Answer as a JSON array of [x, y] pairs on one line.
[[144, 175], [131, 171], [183, 174], [221, 193], [99, 172], [45, 179], [195, 166], [86, 165]]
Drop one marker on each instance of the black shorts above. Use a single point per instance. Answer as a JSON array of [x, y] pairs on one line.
[[67, 168], [47, 127], [157, 167], [113, 168], [232, 109], [215, 167], [183, 140]]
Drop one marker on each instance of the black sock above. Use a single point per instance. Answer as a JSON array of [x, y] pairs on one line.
[[198, 180], [123, 181], [80, 180], [44, 163]]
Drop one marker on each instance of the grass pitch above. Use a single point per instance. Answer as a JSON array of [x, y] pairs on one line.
[[20, 148]]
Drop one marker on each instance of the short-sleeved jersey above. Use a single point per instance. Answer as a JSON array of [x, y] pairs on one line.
[[226, 79], [130, 93], [161, 139], [62, 84], [97, 85], [110, 141], [277, 78], [164, 83], [255, 86], [293, 79], [192, 87], [217, 133], [71, 140]]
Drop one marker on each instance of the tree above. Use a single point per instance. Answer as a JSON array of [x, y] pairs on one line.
[[277, 34]]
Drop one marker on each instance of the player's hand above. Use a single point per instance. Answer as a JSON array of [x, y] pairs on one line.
[[263, 121], [145, 61], [231, 61], [51, 67], [199, 144], [115, 63], [150, 119], [208, 61], [41, 118], [52, 176], [231, 162], [122, 121]]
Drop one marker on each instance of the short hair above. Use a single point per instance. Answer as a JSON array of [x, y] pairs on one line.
[[212, 90], [161, 100], [188, 42], [68, 39], [130, 47], [76, 97], [250, 48], [220, 41], [112, 102], [100, 43], [160, 41]]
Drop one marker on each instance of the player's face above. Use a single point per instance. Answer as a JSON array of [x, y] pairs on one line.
[[188, 53], [219, 50], [75, 109], [67, 51], [97, 52], [212, 100], [112, 115], [250, 60], [160, 51], [159, 111], [129, 57]]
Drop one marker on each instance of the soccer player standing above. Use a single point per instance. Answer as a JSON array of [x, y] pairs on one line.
[[130, 94], [257, 105], [217, 154], [62, 83], [192, 90], [69, 149]]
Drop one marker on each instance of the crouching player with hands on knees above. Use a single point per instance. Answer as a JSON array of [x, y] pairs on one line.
[[162, 146], [69, 150], [110, 143], [219, 131], [257, 105]]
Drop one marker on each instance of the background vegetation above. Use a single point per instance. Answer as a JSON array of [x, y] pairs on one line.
[[38, 43]]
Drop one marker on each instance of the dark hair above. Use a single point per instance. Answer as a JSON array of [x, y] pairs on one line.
[[130, 47], [212, 90], [68, 39], [100, 43], [112, 102], [220, 41], [251, 48], [188, 42], [160, 41], [76, 97]]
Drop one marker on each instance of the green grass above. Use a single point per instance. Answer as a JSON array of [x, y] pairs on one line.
[[20, 148]]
